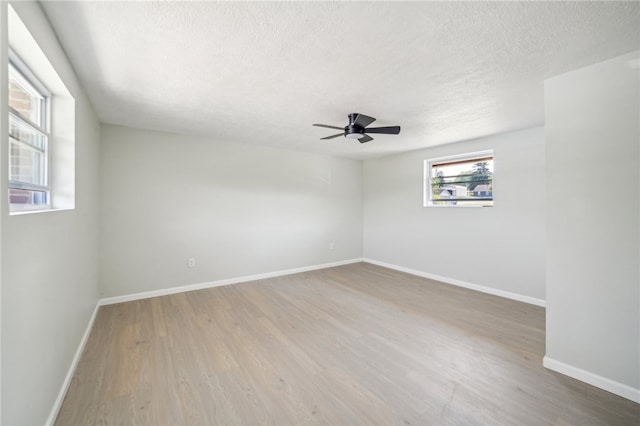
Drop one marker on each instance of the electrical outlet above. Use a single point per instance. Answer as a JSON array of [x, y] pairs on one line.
[[191, 262]]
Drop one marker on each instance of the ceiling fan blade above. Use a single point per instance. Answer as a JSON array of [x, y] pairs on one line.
[[391, 130], [365, 138], [363, 120], [328, 127], [334, 136]]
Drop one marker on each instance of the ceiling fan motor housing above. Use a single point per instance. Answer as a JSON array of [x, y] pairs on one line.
[[353, 131]]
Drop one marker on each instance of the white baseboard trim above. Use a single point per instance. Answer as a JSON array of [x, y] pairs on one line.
[[72, 369], [459, 283], [609, 385], [210, 284]]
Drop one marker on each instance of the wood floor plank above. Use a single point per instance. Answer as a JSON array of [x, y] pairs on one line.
[[353, 345]]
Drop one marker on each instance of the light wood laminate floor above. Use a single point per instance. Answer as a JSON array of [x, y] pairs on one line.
[[352, 345]]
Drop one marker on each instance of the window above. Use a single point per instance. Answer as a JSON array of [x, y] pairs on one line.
[[28, 139], [461, 180], [41, 126]]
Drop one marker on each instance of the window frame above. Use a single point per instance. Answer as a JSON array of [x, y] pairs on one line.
[[469, 157], [25, 76]]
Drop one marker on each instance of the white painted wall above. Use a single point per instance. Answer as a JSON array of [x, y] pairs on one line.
[[4, 130], [501, 247], [593, 285], [49, 260], [239, 210]]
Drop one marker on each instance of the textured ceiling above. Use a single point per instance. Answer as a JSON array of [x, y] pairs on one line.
[[263, 72]]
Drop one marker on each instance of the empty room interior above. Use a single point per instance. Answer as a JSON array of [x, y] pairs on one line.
[[337, 213]]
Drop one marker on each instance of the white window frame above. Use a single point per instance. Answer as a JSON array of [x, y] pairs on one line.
[[61, 115], [22, 72], [428, 200]]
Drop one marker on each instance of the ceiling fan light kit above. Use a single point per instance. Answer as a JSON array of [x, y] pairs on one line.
[[357, 128]]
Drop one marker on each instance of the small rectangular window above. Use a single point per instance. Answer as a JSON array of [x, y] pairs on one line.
[[461, 180], [28, 139]]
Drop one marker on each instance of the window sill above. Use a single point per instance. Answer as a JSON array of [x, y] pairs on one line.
[[36, 211], [455, 206]]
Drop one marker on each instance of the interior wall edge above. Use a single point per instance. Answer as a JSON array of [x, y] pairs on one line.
[[601, 382], [592, 247], [471, 286]]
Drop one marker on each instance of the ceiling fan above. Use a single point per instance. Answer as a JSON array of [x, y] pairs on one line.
[[357, 128]]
